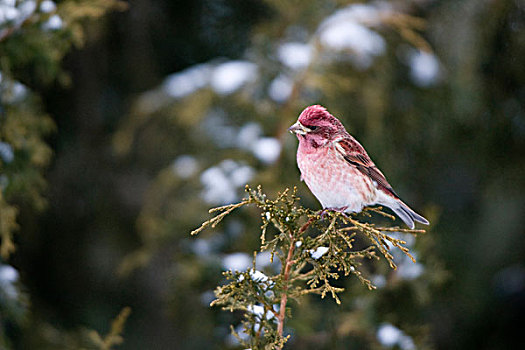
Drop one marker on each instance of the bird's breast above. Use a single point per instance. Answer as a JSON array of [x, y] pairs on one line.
[[333, 181]]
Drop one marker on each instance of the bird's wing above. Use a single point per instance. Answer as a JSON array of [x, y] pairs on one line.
[[356, 156]]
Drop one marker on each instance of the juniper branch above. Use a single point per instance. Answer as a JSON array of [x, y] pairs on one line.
[[294, 226]]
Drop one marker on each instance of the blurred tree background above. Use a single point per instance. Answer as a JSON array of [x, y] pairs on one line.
[[118, 133]]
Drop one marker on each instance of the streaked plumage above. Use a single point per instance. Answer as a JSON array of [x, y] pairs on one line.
[[338, 170]]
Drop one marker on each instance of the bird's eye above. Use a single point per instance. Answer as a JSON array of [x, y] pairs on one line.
[[313, 127]]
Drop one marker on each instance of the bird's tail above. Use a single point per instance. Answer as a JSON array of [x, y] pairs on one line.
[[406, 214]]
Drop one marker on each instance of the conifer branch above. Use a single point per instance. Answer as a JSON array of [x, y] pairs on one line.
[[314, 251]]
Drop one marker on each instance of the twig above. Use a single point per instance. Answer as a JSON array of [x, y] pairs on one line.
[[286, 276]]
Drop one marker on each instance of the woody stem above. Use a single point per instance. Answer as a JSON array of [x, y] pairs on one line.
[[286, 276]]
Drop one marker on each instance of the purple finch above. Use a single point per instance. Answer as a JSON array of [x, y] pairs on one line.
[[338, 170]]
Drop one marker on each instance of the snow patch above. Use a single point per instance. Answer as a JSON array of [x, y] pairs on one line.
[[348, 30], [295, 55], [267, 149], [26, 9], [424, 68], [248, 135], [222, 181], [280, 88], [408, 270], [258, 311], [6, 152], [185, 166], [8, 11], [258, 276], [264, 259], [236, 261], [378, 280], [53, 23], [47, 6], [228, 77], [390, 336], [188, 81], [8, 278], [319, 252]]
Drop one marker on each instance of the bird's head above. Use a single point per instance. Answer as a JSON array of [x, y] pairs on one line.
[[315, 122]]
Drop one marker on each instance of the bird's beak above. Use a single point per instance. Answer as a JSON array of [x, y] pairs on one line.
[[298, 128]]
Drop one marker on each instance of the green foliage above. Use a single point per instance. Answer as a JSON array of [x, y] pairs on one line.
[[34, 37], [81, 339], [23, 130], [31, 51], [114, 337], [314, 248], [7, 226]]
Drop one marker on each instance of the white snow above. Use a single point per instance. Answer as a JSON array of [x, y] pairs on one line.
[[53, 23], [378, 280], [10, 3], [185, 166], [264, 259], [267, 149], [224, 78], [188, 81], [6, 152], [236, 261], [369, 14], [298, 244], [424, 68], [8, 11], [319, 252], [47, 6], [222, 181], [347, 30], [258, 276], [280, 88], [295, 55], [390, 336], [248, 134], [217, 187], [26, 8], [13, 91], [408, 270], [8, 276], [363, 43], [258, 311], [18, 91], [11, 11], [228, 77], [241, 175]]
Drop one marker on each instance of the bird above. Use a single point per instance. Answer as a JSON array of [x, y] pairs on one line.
[[338, 170]]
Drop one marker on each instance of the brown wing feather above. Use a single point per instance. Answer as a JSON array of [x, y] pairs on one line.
[[356, 155]]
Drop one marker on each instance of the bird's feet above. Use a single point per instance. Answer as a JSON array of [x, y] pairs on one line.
[[340, 210]]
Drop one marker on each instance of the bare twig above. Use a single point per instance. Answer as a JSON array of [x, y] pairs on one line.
[[286, 276]]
